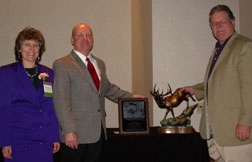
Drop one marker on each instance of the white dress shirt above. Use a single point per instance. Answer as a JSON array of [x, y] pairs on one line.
[[92, 60]]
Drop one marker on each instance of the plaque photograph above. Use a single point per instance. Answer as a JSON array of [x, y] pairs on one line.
[[133, 116]]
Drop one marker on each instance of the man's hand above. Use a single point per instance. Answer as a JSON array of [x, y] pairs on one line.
[[188, 89], [7, 150], [242, 132], [138, 96], [71, 140]]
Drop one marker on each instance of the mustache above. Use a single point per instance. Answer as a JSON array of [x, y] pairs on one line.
[[219, 30]]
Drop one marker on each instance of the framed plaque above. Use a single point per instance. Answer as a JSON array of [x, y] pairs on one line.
[[133, 116]]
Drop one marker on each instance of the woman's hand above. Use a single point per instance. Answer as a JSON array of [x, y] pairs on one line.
[[7, 152], [56, 147]]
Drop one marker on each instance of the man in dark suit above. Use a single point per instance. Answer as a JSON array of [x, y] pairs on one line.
[[227, 91], [79, 99]]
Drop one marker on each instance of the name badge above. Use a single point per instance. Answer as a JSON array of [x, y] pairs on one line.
[[48, 92]]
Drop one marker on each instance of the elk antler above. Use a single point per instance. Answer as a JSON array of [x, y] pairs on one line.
[[156, 93], [169, 88]]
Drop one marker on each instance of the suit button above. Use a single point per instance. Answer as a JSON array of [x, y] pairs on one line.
[[99, 110]]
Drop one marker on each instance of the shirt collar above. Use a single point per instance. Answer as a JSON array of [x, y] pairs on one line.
[[83, 57]]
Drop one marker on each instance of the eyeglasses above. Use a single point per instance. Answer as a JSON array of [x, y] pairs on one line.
[[219, 23]]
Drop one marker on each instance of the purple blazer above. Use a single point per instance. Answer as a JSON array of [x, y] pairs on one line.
[[26, 116]]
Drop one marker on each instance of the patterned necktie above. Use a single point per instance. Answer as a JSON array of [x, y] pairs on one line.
[[93, 73]]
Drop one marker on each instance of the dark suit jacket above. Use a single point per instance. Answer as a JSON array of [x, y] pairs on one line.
[[26, 116], [79, 107], [229, 98]]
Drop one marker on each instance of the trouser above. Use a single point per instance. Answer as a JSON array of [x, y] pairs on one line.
[[85, 152], [241, 153]]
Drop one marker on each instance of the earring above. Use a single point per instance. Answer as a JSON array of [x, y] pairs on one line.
[[38, 58], [19, 56]]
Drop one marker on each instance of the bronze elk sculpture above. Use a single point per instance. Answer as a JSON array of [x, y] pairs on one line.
[[169, 102]]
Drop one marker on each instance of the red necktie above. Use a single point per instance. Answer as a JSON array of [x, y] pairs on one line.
[[93, 73]]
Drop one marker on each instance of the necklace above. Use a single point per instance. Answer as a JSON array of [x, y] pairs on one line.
[[32, 75]]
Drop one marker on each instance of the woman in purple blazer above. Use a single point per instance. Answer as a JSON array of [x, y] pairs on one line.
[[29, 129]]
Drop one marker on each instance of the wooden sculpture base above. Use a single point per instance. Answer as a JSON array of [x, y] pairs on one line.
[[176, 129]]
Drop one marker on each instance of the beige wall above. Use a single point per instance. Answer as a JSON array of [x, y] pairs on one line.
[[143, 42]]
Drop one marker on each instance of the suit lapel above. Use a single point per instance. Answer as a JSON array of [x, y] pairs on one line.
[[209, 64], [223, 54], [25, 84], [77, 62], [102, 71]]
